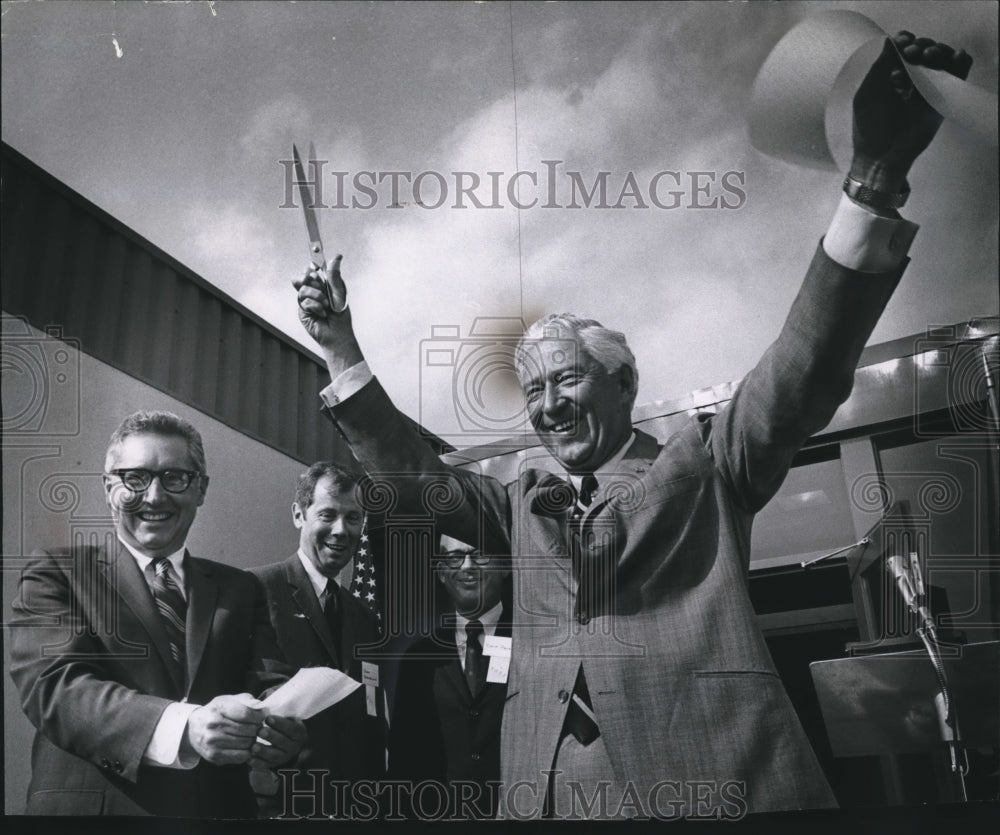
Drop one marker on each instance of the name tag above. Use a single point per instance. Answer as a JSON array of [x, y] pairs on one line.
[[370, 700], [498, 669], [497, 647], [369, 673]]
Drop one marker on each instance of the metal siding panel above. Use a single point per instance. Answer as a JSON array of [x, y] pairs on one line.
[[287, 404], [306, 418], [86, 256], [270, 388], [22, 232], [67, 262], [184, 341], [227, 396], [49, 265], [131, 332], [249, 375], [157, 345], [98, 338], [209, 349]]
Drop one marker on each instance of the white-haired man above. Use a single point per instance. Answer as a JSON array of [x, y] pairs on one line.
[[640, 683]]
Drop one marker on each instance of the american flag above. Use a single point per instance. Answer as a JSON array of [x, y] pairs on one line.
[[363, 581]]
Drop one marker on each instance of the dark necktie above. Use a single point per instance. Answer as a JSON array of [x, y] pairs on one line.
[[584, 499], [173, 611], [331, 610], [475, 674]]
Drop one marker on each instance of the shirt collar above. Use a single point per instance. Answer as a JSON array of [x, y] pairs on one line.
[[317, 580], [488, 619], [176, 560], [609, 467]]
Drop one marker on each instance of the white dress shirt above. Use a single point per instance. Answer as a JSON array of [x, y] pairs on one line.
[[164, 746], [489, 621]]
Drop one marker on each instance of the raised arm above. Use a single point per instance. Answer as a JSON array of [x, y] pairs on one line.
[[803, 377], [467, 506]]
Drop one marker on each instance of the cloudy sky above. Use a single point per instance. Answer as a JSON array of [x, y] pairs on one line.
[[176, 117]]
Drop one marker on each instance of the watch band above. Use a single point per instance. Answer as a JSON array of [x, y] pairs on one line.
[[865, 194]]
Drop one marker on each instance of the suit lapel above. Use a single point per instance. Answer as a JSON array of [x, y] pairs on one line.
[[550, 500], [122, 573], [202, 591], [305, 598], [623, 494]]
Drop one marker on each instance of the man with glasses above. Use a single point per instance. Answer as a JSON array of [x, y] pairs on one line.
[[127, 657], [319, 623], [448, 709]]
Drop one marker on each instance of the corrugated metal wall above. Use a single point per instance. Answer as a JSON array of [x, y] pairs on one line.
[[69, 263]]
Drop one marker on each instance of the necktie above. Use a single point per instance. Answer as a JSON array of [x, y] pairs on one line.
[[331, 610], [586, 564], [173, 611], [584, 499], [475, 674]]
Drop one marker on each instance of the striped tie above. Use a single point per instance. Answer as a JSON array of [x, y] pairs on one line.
[[172, 607]]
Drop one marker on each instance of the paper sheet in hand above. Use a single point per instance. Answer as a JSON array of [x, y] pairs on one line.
[[309, 691]]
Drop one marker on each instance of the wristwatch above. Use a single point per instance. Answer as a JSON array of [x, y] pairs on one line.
[[865, 194]]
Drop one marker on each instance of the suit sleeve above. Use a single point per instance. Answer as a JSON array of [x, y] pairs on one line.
[[63, 673], [268, 667], [796, 387], [408, 478]]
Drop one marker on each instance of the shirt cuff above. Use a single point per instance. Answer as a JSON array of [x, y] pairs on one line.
[[164, 746], [866, 242], [347, 383]]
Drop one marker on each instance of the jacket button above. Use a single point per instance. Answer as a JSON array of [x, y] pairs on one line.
[[475, 757], [118, 767], [474, 713], [105, 762], [583, 618], [563, 696]]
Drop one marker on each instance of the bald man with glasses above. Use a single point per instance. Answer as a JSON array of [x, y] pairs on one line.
[[448, 706]]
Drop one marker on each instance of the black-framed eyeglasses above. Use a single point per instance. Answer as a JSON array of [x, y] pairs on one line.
[[454, 559], [173, 481]]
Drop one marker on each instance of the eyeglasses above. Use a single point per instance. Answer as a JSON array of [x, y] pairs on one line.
[[454, 559], [173, 481]]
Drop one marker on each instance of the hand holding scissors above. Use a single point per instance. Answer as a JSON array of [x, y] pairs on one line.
[[331, 282], [322, 294]]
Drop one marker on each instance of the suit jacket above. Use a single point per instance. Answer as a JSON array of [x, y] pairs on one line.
[[441, 732], [91, 661], [344, 742], [680, 677]]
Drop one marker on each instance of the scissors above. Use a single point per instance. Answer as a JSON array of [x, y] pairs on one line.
[[312, 227]]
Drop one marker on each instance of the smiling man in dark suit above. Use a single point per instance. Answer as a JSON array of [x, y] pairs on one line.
[[446, 714], [127, 657], [640, 683], [319, 623]]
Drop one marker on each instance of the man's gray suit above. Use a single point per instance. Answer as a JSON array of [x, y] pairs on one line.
[[682, 684]]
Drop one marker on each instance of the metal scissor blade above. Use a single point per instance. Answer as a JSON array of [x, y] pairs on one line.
[[312, 227]]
